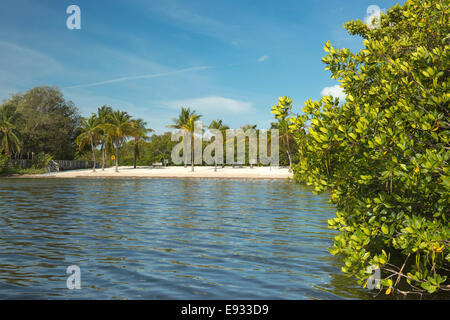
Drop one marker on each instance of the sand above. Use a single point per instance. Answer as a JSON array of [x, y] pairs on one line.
[[175, 172]]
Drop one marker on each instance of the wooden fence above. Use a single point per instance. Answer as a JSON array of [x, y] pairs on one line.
[[55, 165]]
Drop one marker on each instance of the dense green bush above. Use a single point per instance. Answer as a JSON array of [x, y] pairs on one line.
[[383, 154], [41, 160], [3, 163], [45, 121]]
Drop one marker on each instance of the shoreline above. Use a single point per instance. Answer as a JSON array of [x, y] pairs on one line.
[[173, 172]]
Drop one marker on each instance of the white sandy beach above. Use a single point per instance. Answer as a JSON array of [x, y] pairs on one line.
[[177, 172]]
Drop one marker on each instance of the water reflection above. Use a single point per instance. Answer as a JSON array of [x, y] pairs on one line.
[[167, 239]]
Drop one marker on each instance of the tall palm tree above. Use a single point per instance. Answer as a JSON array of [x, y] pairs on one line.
[[9, 136], [89, 135], [105, 141], [140, 134], [186, 121], [218, 125], [179, 122], [119, 127]]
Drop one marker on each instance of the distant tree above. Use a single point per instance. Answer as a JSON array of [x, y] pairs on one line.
[[47, 122], [160, 147], [89, 135], [218, 125], [103, 114], [139, 135], [186, 121], [118, 128], [9, 135], [282, 111], [248, 126]]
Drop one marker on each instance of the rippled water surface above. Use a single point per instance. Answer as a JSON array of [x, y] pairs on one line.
[[167, 239]]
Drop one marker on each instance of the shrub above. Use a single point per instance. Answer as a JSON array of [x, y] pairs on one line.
[[383, 154], [3, 163], [41, 160]]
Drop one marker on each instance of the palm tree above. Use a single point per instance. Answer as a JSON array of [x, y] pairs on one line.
[[105, 141], [249, 126], [186, 121], [245, 128], [89, 135], [140, 134], [119, 127], [9, 136], [217, 124], [179, 122]]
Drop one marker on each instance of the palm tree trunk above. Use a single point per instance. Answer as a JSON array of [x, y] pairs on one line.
[[117, 158], [93, 155], [184, 154], [192, 151], [103, 156], [135, 154]]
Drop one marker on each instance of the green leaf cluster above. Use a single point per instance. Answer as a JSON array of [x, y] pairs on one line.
[[383, 153]]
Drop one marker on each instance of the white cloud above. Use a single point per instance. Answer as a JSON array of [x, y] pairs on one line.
[[335, 91], [263, 58], [212, 105]]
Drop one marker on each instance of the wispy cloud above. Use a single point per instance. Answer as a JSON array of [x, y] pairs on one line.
[[191, 18], [263, 58], [145, 76], [20, 66], [335, 91]]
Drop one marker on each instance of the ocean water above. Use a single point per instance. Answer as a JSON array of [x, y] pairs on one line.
[[168, 239]]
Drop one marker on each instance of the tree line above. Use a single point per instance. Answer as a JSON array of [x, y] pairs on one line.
[[41, 124]]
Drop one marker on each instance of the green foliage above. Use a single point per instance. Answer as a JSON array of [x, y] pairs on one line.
[[45, 122], [118, 127], [41, 160], [139, 136], [90, 135], [3, 163], [383, 154], [10, 142], [282, 111], [186, 121], [156, 149]]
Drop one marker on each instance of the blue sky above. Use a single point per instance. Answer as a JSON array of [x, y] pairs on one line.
[[229, 60]]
